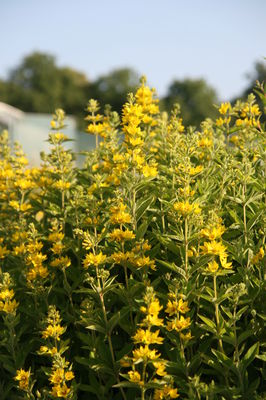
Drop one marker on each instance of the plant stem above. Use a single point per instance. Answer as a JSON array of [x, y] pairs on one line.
[[217, 313], [186, 248], [110, 342]]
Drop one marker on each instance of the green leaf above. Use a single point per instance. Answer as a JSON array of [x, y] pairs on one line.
[[96, 327], [250, 355], [209, 323], [253, 220], [261, 357], [172, 267], [126, 384], [143, 206], [116, 318], [224, 360], [244, 335], [142, 230]]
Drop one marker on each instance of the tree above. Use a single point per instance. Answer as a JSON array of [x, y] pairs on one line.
[[113, 88], [259, 74], [38, 85], [195, 97]]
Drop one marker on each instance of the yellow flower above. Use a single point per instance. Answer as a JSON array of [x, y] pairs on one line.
[[213, 247], [60, 391], [136, 141], [34, 246], [57, 376], [3, 252], [175, 307], [14, 204], [119, 235], [224, 108], [69, 375], [160, 368], [24, 184], [224, 263], [56, 237], [178, 324], [166, 393], [185, 208], [59, 137], [141, 262], [258, 257], [134, 376], [185, 337], [212, 267], [154, 307], [6, 294], [118, 214], [36, 259], [9, 307], [61, 262], [94, 259], [23, 378], [213, 232], [195, 170], [145, 353], [147, 337], [62, 185], [54, 331], [149, 171], [25, 207], [205, 142], [57, 248]]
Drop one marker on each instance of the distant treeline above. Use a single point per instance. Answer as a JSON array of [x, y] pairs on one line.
[[38, 84]]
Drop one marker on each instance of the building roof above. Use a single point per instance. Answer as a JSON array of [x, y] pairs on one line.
[[8, 113]]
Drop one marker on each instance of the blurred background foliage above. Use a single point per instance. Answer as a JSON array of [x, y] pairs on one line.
[[39, 85]]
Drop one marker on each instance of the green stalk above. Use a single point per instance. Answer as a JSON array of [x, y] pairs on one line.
[[217, 313], [109, 339], [186, 248]]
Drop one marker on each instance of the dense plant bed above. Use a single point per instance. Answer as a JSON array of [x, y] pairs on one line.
[[140, 275]]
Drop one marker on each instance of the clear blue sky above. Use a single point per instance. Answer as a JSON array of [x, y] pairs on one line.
[[163, 39]]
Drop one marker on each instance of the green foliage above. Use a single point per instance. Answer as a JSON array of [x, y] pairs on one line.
[[140, 275], [195, 97]]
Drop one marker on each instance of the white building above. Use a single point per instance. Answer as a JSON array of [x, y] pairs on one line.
[[31, 131]]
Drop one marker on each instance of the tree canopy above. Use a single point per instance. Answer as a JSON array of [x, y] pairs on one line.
[[195, 97], [38, 84]]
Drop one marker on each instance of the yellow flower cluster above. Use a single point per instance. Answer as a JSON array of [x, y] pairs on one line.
[[23, 377], [225, 110], [53, 329], [34, 260], [120, 235], [146, 356], [95, 260], [61, 371], [147, 336], [213, 232], [248, 113], [165, 393], [3, 252], [119, 215], [137, 113], [258, 256], [136, 257], [56, 238], [97, 125], [215, 248], [8, 304], [178, 322], [58, 378], [62, 185], [186, 208]]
